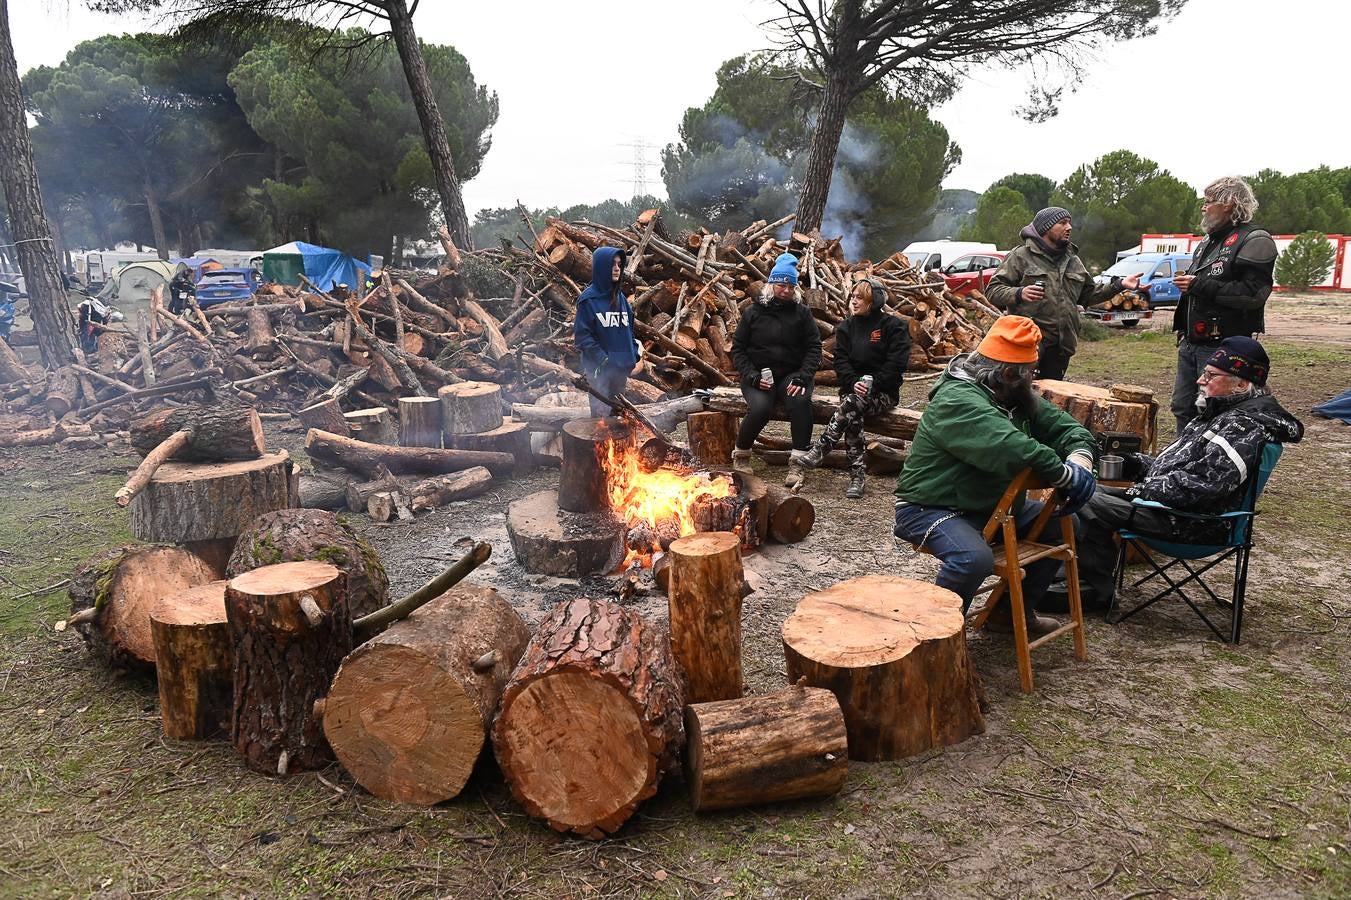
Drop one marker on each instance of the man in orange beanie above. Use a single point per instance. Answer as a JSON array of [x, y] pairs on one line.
[[984, 424]]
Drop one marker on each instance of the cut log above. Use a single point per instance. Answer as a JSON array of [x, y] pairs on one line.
[[470, 407], [550, 541], [210, 501], [410, 709], [712, 436], [509, 437], [582, 482], [63, 391], [705, 613], [443, 489], [359, 492], [1131, 393], [215, 433], [360, 456], [298, 535], [326, 415], [374, 426], [611, 670], [420, 421], [194, 663], [385, 506], [898, 422], [321, 492], [1099, 411], [289, 629], [790, 516], [12, 368], [261, 337], [122, 586], [783, 746], [665, 414], [893, 651]]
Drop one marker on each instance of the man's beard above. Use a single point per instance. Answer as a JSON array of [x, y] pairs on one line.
[[1020, 396], [1202, 401], [1209, 225]]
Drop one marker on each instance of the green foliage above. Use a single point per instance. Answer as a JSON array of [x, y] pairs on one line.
[[742, 157], [364, 172], [999, 217], [1118, 197], [949, 214], [493, 226], [1316, 200], [1036, 189], [1306, 262]]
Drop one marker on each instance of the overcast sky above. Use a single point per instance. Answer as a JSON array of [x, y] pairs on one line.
[[1227, 86]]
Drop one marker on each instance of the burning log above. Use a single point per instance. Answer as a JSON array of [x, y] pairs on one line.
[[583, 484], [114, 592], [705, 613], [588, 771], [893, 651], [447, 665], [783, 746]]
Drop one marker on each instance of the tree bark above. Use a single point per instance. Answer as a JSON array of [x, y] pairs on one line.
[[210, 501], [194, 663], [156, 219], [420, 422], [811, 203], [360, 456], [705, 613], [587, 771], [410, 709], [28, 224], [429, 115]]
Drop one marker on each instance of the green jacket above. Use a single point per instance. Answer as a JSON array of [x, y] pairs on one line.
[[1068, 287], [967, 448]]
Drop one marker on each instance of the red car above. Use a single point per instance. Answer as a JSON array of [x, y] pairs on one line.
[[972, 272]]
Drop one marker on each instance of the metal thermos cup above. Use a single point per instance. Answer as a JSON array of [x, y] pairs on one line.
[[1110, 467], [767, 376]]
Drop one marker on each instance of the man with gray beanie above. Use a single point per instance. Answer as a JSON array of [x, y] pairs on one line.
[[1045, 280]]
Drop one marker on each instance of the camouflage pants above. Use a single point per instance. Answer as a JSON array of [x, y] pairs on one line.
[[848, 420]]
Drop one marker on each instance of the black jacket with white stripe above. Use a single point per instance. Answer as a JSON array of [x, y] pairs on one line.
[[1204, 470]]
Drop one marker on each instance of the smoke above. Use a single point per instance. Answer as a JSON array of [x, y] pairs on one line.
[[847, 206]]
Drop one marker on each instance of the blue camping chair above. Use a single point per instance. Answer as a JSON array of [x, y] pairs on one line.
[[1228, 535]]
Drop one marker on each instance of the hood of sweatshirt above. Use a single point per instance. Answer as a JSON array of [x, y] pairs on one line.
[[602, 264]]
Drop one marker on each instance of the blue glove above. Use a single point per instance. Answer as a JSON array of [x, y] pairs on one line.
[[1078, 484]]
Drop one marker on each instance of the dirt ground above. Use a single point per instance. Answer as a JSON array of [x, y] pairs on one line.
[[1168, 764]]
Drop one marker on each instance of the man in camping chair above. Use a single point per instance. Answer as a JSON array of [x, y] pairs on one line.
[[1204, 471]]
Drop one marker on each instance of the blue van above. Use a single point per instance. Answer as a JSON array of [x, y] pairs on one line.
[[1156, 272]]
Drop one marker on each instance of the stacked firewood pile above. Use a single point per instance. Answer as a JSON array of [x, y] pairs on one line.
[[1125, 300], [688, 293]]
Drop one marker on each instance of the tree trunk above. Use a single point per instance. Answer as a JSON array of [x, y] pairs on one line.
[[587, 770], [290, 629], [194, 663], [705, 613], [326, 415], [420, 421], [712, 437], [429, 115], [122, 586], [582, 484], [210, 501], [156, 220], [410, 709], [811, 203], [470, 407], [548, 540], [28, 222], [214, 433], [360, 456], [782, 746], [297, 535], [893, 651]]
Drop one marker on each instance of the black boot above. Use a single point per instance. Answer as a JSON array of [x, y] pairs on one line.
[[857, 479]]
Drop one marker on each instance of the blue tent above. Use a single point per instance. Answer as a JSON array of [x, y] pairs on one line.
[[322, 265], [1338, 407]]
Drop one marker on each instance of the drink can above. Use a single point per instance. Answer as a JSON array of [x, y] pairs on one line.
[[767, 376], [867, 382]]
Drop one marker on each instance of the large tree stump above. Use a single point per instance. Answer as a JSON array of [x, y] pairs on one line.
[[591, 718], [206, 505], [420, 422], [194, 662], [119, 588], [712, 437], [551, 541], [582, 482], [214, 433], [705, 611], [374, 425], [410, 709], [296, 535], [470, 407], [893, 651], [509, 437], [782, 746], [791, 516], [1099, 410], [290, 629]]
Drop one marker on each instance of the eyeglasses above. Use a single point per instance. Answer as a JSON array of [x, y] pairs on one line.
[[1208, 375]]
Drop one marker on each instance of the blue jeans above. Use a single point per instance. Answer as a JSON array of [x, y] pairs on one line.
[[1191, 362], [967, 559]]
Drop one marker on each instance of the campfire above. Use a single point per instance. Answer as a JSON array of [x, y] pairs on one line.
[[660, 496]]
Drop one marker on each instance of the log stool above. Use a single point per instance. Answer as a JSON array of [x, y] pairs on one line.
[[705, 613], [893, 651], [194, 662]]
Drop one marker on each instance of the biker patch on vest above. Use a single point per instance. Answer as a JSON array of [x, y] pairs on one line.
[[875, 337], [1231, 240]]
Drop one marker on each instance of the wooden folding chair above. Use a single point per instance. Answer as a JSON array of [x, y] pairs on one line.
[[1001, 530]]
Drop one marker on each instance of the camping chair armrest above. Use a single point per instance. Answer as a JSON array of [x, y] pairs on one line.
[[1200, 517]]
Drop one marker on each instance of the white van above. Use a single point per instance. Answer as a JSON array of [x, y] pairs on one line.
[[93, 267], [929, 255]]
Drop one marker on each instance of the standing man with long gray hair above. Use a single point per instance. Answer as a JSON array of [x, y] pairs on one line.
[[1225, 290]]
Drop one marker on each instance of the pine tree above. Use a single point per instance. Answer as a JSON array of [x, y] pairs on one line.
[[1306, 262]]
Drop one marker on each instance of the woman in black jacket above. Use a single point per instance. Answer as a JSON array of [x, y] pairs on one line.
[[872, 349], [777, 337]]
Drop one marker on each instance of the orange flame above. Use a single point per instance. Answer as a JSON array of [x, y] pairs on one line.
[[662, 500]]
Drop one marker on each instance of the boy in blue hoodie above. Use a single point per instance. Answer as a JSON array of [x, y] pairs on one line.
[[603, 329]]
